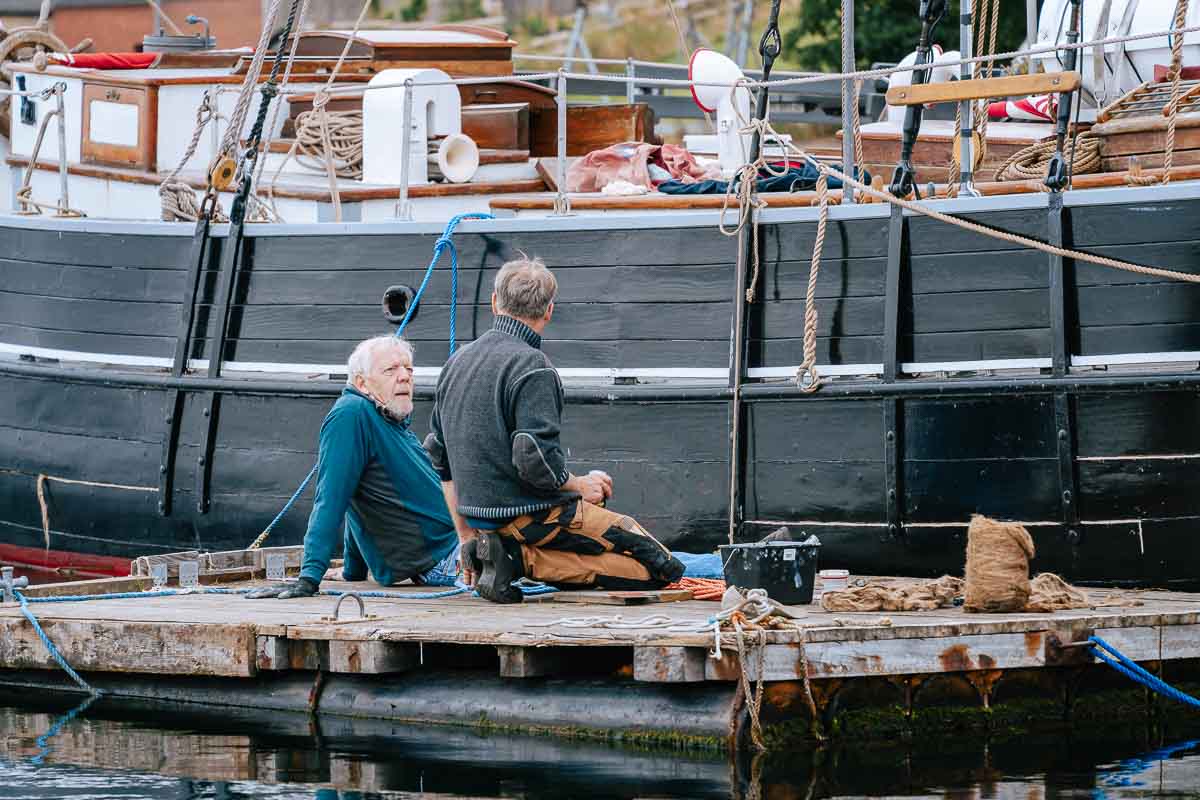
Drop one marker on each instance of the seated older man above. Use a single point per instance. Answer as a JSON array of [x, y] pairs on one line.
[[496, 446], [375, 485]]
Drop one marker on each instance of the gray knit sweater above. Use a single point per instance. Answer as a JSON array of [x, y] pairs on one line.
[[495, 425]]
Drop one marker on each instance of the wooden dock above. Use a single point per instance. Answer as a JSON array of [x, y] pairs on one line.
[[534, 666]]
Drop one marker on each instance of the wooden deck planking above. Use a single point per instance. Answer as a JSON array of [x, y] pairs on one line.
[[227, 635]]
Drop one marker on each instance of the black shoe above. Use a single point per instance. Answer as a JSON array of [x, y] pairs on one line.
[[672, 571], [498, 569]]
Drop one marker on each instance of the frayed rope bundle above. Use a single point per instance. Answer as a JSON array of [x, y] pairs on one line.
[[895, 596], [997, 580]]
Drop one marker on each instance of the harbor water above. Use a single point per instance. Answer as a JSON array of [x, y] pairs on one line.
[[114, 751]]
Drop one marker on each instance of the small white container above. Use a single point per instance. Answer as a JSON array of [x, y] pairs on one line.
[[833, 580]]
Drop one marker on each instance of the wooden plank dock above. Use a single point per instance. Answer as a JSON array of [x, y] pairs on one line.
[[540, 666]]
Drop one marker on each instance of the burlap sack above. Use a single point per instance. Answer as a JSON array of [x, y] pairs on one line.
[[998, 556]]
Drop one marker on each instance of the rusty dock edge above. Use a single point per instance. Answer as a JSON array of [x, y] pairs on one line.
[[462, 661]]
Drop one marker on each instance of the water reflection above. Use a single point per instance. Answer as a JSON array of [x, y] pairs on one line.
[[120, 751]]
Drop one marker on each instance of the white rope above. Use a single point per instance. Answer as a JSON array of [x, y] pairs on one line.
[[269, 210], [237, 119]]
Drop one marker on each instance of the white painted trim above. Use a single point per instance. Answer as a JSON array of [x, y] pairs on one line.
[[975, 366], [1181, 356], [822, 369], [84, 358], [1120, 195]]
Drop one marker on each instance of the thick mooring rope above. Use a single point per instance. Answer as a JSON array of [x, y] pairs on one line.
[[1029, 163]]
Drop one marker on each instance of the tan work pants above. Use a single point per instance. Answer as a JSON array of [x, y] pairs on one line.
[[580, 544]]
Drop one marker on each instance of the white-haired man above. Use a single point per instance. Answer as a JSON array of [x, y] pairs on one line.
[[494, 441], [376, 489]]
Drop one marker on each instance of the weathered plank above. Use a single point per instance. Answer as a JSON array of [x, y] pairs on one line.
[[372, 657], [531, 662], [658, 664], [165, 648]]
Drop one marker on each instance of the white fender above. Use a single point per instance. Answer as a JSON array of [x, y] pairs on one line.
[[939, 74]]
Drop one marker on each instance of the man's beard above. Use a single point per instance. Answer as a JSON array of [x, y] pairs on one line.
[[398, 408]]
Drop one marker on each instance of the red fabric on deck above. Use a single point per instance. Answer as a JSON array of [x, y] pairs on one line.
[[107, 60]]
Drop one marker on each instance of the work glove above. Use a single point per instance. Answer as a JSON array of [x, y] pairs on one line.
[[304, 587]]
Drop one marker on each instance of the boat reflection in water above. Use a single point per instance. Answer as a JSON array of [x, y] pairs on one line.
[[116, 750]]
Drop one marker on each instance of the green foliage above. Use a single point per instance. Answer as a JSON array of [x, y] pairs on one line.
[[414, 11], [535, 25], [884, 30], [458, 10]]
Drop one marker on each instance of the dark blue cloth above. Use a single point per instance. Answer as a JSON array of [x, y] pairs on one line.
[[374, 477], [800, 178]]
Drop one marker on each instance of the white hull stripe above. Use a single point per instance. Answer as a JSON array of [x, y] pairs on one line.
[[611, 373]]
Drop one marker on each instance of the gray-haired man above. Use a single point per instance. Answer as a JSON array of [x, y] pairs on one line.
[[495, 443], [376, 490]]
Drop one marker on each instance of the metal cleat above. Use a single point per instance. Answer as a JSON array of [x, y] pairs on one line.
[[9, 584]]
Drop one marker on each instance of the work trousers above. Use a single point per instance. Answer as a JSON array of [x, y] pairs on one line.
[[583, 545]]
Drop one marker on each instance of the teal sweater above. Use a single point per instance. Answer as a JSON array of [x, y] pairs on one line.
[[374, 478]]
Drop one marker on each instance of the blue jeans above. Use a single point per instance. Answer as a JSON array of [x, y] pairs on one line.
[[443, 573]]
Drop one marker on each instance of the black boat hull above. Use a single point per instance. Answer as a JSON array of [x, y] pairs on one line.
[[977, 377]]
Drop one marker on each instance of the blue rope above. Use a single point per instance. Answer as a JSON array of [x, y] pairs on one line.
[[1123, 664], [444, 242], [288, 505], [79, 598], [43, 741], [54, 653]]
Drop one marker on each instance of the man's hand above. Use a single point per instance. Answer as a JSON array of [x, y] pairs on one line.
[[333, 574], [605, 481], [591, 487], [285, 591]]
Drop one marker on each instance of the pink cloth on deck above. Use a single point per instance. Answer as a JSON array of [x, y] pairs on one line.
[[107, 60], [629, 161]]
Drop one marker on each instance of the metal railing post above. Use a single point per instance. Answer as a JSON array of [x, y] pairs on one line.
[[848, 98], [64, 200], [403, 206], [562, 204], [1031, 23], [966, 109], [631, 75]]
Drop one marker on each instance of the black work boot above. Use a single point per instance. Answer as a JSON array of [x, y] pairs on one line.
[[498, 567]]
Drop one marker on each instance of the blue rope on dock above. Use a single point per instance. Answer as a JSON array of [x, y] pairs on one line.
[[51, 648], [1127, 667], [79, 598]]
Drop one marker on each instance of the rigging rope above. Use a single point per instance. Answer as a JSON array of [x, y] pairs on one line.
[[1181, 10], [320, 101]]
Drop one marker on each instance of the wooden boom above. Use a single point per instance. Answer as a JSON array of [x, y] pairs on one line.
[[983, 88]]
